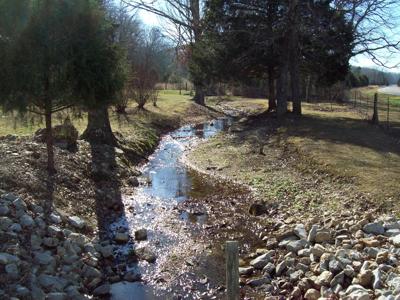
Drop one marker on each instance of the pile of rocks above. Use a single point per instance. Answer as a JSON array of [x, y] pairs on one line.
[[354, 258], [48, 260]]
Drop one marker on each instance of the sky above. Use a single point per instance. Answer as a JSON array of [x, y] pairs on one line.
[[359, 60]]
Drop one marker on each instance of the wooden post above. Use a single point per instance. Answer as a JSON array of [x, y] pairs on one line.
[[232, 270], [375, 117]]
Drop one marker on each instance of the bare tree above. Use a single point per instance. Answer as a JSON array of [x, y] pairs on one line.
[[375, 23], [184, 19]]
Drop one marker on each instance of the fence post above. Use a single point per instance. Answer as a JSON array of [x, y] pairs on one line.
[[232, 270], [388, 109], [375, 117]]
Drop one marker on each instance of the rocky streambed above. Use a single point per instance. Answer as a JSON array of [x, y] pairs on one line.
[[53, 259], [351, 257], [167, 243]]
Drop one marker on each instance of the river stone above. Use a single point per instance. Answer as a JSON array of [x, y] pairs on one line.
[[335, 266], [43, 258], [19, 204], [56, 296], [121, 237], [377, 279], [5, 223], [269, 268], [55, 218], [12, 271], [6, 258], [4, 210], [349, 271], [357, 292], [91, 272], [295, 246], [374, 228], [15, 227], [144, 253], [382, 257], [26, 221], [52, 283], [258, 281], [21, 291], [295, 276], [304, 252], [78, 239], [338, 279], [102, 290], [262, 260], [300, 231], [392, 232], [77, 222], [364, 278], [246, 271], [280, 268], [324, 279], [9, 197], [395, 240], [322, 236], [313, 232], [318, 250], [107, 251], [133, 181], [50, 242], [312, 294], [54, 231], [141, 234]]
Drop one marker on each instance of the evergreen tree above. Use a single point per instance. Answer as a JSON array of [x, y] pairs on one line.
[[62, 57]]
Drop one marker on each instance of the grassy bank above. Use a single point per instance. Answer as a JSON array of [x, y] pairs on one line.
[[325, 161], [93, 177]]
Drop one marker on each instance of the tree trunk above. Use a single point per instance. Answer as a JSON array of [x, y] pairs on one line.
[[271, 89], [281, 91], [294, 58], [49, 142], [98, 130], [308, 88], [199, 95], [295, 87]]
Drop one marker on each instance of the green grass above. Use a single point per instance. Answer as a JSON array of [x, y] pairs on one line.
[[170, 107], [371, 90]]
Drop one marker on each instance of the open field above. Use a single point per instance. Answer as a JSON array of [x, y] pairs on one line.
[[362, 100]]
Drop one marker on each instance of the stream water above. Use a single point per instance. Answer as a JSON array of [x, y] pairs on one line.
[[174, 234]]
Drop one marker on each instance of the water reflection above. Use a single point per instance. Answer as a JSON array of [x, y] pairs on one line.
[[169, 182]]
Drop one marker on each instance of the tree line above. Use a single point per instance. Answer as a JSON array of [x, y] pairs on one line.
[[94, 54], [294, 46]]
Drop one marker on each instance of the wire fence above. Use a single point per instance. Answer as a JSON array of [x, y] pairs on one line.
[[388, 109]]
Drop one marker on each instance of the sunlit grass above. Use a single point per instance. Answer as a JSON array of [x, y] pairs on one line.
[[169, 106]]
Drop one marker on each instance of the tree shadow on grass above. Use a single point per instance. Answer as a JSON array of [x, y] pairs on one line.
[[343, 130], [339, 130]]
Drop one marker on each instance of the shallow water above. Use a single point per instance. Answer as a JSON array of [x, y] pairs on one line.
[[165, 184]]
